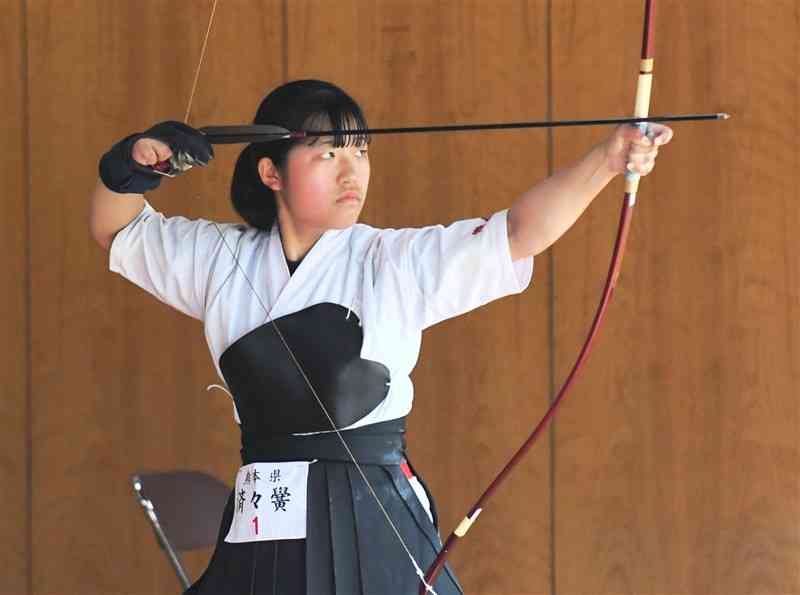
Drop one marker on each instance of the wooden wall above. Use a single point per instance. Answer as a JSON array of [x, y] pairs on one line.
[[672, 469], [677, 469], [14, 310]]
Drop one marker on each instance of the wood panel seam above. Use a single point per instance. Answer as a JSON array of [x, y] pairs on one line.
[[285, 40], [551, 299], [28, 193]]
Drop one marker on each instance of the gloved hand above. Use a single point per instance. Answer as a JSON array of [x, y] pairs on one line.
[[137, 163]]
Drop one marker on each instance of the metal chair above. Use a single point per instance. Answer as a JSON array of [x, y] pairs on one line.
[[184, 508]]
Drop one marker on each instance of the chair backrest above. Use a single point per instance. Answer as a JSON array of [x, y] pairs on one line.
[[188, 504]]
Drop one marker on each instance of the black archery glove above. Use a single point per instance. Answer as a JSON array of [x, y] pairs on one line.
[[121, 173]]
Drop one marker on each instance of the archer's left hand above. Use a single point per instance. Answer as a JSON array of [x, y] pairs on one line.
[[628, 150]]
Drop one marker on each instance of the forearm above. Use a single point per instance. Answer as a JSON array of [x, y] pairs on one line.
[[110, 211], [126, 172], [544, 213]]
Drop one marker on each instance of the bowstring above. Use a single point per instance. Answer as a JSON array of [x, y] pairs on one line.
[[200, 62], [273, 324]]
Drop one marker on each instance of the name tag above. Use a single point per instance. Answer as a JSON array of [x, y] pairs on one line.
[[270, 502]]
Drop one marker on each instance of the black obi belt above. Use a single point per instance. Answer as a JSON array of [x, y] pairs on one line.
[[350, 548]]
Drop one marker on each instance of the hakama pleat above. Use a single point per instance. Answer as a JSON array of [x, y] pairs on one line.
[[350, 548]]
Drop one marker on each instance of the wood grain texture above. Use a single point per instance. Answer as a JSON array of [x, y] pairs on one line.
[[677, 466], [119, 379], [482, 380], [14, 364]]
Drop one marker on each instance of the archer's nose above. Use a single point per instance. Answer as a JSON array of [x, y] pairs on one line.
[[347, 170]]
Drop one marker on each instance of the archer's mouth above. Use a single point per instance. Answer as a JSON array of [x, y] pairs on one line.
[[353, 197]]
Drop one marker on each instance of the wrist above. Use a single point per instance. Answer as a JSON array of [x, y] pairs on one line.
[[121, 174], [602, 156]]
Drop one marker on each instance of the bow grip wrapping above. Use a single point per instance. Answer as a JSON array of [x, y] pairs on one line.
[[641, 110]]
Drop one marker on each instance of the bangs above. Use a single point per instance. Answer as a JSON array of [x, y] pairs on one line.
[[313, 106], [343, 116]]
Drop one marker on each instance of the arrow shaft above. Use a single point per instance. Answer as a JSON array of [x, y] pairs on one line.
[[260, 133]]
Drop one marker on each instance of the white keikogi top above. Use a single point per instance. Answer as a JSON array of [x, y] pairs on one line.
[[397, 281]]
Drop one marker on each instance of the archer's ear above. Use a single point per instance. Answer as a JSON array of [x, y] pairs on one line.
[[269, 174]]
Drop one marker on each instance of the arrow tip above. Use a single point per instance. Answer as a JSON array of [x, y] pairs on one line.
[[723, 116]]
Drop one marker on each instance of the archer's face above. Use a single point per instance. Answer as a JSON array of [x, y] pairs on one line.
[[325, 187]]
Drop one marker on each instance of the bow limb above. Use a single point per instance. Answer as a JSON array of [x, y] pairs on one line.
[[417, 568], [641, 110]]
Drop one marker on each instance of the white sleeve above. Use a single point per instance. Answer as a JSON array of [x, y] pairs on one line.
[[452, 270], [170, 258]]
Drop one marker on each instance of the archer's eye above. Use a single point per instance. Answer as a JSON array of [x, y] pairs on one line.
[[328, 155]]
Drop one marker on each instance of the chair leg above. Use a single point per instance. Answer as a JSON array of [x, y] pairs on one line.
[[150, 513]]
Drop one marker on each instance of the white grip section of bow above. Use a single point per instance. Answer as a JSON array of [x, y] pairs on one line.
[[641, 110]]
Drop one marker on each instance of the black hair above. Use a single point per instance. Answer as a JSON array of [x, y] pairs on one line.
[[297, 105]]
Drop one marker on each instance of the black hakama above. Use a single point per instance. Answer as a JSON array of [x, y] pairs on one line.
[[350, 547]]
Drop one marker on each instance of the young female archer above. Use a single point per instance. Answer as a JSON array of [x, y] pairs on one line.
[[314, 322]]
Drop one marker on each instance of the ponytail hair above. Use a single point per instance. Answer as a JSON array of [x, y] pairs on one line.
[[297, 105]]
